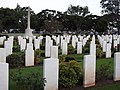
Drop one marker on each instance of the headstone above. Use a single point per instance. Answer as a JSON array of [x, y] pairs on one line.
[[23, 44], [108, 50], [64, 48], [8, 47], [92, 48], [37, 44], [2, 55], [4, 76], [117, 66], [50, 73], [48, 44], [54, 52], [79, 47], [29, 55], [104, 46], [89, 70]]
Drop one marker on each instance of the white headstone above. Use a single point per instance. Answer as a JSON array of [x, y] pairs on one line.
[[50, 73], [117, 66], [54, 52], [37, 44], [4, 76], [29, 55], [23, 44], [89, 70], [108, 50], [2, 55], [79, 47], [64, 48]]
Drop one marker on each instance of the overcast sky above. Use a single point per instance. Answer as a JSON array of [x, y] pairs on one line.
[[59, 5]]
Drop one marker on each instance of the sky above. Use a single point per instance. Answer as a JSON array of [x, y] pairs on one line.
[[59, 5]]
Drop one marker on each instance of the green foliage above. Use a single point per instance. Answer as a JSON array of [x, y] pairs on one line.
[[69, 74], [62, 58], [104, 72], [37, 52], [99, 52], [37, 56], [31, 81], [16, 59], [86, 48], [68, 58], [15, 42], [16, 48], [71, 49]]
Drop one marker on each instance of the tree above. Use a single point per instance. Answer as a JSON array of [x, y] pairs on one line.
[[52, 26], [77, 10], [109, 6]]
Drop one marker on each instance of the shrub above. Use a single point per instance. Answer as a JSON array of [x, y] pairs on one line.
[[104, 72], [99, 52], [67, 59], [16, 59], [69, 74], [42, 53], [31, 81], [71, 49], [37, 56], [15, 41], [61, 58], [16, 48], [86, 48]]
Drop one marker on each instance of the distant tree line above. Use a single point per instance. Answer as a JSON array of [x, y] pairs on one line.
[[75, 19]]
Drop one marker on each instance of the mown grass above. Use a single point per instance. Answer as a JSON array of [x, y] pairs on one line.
[[25, 71]]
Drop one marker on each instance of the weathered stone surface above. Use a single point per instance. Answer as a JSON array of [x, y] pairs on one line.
[[4, 76], [117, 66], [54, 52], [89, 70], [50, 73]]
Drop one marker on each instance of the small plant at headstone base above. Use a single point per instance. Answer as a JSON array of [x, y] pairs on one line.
[[15, 41], [16, 48], [69, 74], [16, 59], [86, 48], [99, 52], [71, 49], [68, 58], [37, 56], [104, 72], [61, 58], [31, 81]]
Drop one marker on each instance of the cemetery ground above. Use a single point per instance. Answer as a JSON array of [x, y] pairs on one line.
[[101, 85], [21, 76]]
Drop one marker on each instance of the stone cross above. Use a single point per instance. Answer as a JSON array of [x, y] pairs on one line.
[[28, 31]]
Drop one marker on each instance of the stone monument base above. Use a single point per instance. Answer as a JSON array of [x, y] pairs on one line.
[[28, 33]]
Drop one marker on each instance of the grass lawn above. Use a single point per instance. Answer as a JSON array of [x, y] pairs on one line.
[[25, 71], [79, 58]]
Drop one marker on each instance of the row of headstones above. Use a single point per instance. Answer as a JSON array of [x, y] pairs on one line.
[[106, 42], [4, 67], [106, 46], [23, 43], [63, 42], [7, 50], [51, 69]]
